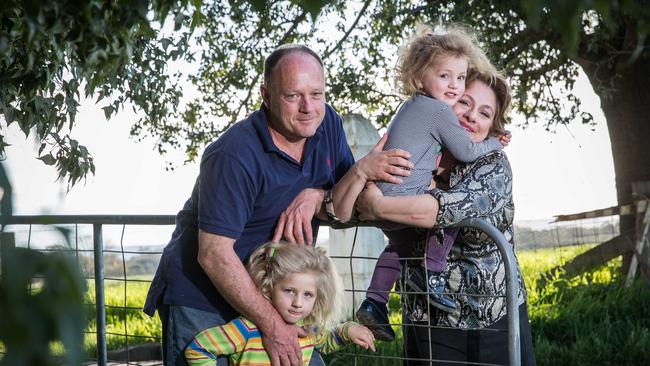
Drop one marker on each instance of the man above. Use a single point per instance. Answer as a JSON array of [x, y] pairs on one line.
[[276, 162]]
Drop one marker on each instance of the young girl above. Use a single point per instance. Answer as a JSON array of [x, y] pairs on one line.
[[431, 71], [302, 285]]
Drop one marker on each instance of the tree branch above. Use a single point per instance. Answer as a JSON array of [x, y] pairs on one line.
[[533, 74], [328, 52]]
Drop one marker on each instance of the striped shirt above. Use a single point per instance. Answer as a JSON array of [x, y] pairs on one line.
[[242, 341]]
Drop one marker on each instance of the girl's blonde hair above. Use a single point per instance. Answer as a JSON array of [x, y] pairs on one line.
[[427, 46], [272, 262]]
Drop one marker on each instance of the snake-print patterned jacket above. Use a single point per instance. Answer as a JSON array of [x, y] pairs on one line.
[[475, 269]]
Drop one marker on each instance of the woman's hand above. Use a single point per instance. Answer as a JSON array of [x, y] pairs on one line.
[[384, 165], [361, 336], [369, 201]]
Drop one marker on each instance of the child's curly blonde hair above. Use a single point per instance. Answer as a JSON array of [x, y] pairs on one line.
[[427, 46], [272, 262]]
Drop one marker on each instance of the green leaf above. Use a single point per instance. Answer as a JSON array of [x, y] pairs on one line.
[[165, 42], [258, 5], [48, 159], [108, 111]]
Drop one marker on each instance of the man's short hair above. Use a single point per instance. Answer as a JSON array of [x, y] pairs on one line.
[[274, 58]]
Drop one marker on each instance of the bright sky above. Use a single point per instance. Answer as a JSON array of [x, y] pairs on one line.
[[566, 172]]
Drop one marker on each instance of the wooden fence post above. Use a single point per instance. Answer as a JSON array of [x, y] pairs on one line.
[[641, 242], [641, 256]]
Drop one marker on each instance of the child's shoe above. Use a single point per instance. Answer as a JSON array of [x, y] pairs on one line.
[[374, 315], [434, 286]]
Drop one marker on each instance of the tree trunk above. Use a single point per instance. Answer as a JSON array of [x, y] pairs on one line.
[[627, 110]]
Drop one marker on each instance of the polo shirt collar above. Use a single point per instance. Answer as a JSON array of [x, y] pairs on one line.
[[260, 123]]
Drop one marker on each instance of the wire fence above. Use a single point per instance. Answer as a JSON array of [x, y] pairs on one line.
[[118, 255]]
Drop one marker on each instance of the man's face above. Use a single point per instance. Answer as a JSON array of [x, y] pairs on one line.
[[295, 96]]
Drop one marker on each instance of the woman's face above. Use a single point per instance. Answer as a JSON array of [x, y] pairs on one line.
[[476, 109]]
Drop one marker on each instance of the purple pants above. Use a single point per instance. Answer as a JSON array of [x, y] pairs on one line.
[[389, 266]]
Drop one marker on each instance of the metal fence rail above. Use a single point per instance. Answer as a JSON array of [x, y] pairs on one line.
[[512, 286], [99, 221]]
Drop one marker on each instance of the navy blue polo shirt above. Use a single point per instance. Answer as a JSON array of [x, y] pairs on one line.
[[244, 184]]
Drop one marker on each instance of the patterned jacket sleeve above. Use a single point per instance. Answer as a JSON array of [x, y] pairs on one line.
[[483, 190], [222, 340], [334, 339]]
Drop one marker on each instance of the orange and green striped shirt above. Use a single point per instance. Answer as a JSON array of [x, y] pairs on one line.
[[242, 341]]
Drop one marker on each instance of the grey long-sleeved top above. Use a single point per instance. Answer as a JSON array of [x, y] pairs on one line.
[[422, 126]]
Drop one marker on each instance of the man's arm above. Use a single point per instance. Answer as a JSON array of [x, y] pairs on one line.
[[377, 165], [295, 222], [218, 259]]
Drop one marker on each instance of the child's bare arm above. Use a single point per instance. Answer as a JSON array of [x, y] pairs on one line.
[[361, 336]]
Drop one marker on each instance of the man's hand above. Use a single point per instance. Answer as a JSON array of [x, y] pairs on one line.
[[281, 343], [381, 165], [295, 221]]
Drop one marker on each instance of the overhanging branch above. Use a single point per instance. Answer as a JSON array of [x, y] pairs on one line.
[[328, 52]]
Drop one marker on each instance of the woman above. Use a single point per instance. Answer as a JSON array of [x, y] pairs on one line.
[[475, 267]]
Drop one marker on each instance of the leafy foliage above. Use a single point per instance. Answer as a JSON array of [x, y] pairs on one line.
[[41, 298], [116, 53], [34, 315], [52, 53], [537, 43]]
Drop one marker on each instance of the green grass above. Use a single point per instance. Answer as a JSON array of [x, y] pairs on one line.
[[120, 321], [589, 319]]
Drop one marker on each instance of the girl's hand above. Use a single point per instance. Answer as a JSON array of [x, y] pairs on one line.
[[362, 336], [368, 202], [505, 138]]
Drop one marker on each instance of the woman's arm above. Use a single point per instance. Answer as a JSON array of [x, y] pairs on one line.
[[377, 165], [418, 211], [485, 188]]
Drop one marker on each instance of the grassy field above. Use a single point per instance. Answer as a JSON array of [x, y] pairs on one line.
[[589, 319], [122, 318]]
